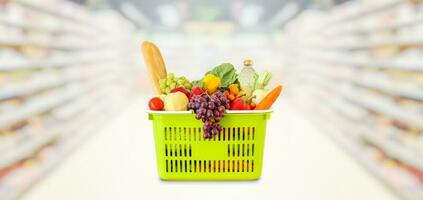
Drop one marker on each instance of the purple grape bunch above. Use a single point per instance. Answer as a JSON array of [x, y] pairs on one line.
[[210, 109]]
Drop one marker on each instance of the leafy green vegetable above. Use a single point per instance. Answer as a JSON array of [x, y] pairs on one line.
[[262, 80], [247, 77], [226, 72]]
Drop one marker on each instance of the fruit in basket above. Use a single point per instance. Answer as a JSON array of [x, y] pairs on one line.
[[196, 91], [155, 104], [181, 89], [171, 82], [177, 101], [210, 109], [211, 83], [269, 99]]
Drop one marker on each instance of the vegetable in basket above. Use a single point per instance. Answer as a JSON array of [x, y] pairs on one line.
[[259, 86], [226, 73], [269, 99], [239, 104], [219, 90], [156, 104], [211, 83]]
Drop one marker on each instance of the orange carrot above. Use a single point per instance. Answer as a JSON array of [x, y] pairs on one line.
[[269, 99]]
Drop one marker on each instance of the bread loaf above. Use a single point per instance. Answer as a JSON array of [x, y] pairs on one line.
[[155, 64]]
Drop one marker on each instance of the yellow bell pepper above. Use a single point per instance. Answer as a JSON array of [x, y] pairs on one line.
[[211, 83]]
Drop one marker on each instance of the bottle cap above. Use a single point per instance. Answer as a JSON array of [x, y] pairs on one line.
[[248, 62]]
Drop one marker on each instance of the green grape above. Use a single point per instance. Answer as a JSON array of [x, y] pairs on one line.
[[171, 76], [171, 82], [187, 85]]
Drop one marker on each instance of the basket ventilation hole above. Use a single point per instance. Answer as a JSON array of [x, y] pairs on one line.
[[239, 132]]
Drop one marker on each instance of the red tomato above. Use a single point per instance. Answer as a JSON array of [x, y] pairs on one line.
[[156, 104]]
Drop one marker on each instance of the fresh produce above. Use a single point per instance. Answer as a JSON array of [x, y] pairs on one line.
[[234, 89], [239, 104], [197, 83], [211, 83], [155, 104], [171, 82], [196, 91], [162, 97], [245, 95], [177, 101], [209, 97], [269, 99], [253, 105], [226, 72], [155, 64], [181, 89], [262, 80], [259, 94], [247, 76], [210, 109]]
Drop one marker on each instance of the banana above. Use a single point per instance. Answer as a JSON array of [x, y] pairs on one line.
[[155, 64]]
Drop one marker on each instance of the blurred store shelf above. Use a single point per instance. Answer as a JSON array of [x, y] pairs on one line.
[[365, 64], [63, 72]]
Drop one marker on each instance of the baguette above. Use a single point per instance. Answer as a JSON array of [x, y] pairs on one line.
[[155, 64]]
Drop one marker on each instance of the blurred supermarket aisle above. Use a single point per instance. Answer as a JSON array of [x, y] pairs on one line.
[[119, 163], [349, 126]]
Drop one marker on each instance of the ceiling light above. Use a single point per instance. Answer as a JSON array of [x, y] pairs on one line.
[[132, 12], [250, 15], [169, 15], [284, 14]]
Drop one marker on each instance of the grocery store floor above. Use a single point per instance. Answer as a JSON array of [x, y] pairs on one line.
[[119, 163]]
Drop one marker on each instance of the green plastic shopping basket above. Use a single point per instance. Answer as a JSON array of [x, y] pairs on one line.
[[236, 153]]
